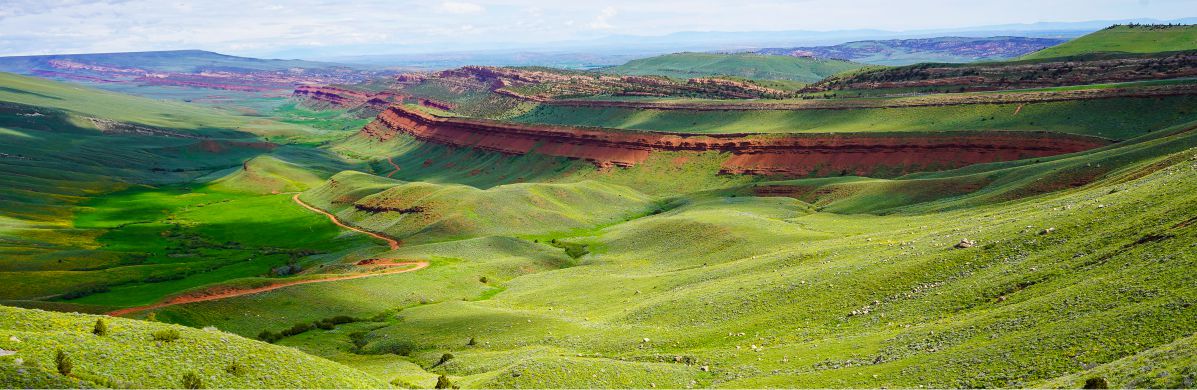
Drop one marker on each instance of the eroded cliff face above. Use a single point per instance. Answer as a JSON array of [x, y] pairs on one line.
[[789, 155], [338, 97]]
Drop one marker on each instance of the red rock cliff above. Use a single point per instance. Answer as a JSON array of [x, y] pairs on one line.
[[771, 154]]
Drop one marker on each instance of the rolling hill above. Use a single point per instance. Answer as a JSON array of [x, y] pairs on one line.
[[749, 66], [1135, 38]]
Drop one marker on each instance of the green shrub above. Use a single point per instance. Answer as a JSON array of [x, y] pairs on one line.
[[1096, 383], [236, 369], [296, 329], [444, 359], [166, 335], [63, 362], [192, 381], [269, 336], [101, 328], [442, 382]]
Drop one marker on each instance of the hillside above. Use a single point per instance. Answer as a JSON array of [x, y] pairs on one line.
[[691, 65], [1126, 39], [140, 354], [912, 51]]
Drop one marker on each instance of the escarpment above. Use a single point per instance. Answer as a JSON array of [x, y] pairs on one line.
[[790, 155]]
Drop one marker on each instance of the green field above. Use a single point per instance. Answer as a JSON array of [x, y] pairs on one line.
[[749, 66], [1125, 39]]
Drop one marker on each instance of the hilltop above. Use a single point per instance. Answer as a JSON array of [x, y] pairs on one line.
[[1134, 38]]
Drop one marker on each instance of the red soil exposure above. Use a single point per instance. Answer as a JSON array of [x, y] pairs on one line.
[[392, 162], [336, 96], [229, 292], [774, 154], [391, 242]]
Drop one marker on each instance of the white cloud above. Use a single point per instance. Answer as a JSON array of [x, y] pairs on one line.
[[603, 20], [454, 7]]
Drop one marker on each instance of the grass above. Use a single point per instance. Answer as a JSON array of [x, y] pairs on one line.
[[1119, 118], [750, 66], [133, 355], [1125, 39]]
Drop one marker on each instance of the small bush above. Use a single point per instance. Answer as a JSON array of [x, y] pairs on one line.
[[442, 382], [269, 336], [483, 280], [63, 362], [101, 328], [444, 359], [236, 369], [166, 335], [1096, 383], [192, 381], [472, 342], [296, 329]]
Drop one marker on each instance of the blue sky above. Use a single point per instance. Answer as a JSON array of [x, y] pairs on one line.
[[248, 27]]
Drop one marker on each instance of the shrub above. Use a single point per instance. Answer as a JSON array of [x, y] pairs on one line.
[[1096, 383], [269, 336], [192, 381], [63, 362], [101, 328], [442, 382], [235, 369], [472, 342], [296, 329], [444, 359], [166, 335]]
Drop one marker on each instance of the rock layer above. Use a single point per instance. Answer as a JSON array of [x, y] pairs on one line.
[[791, 155]]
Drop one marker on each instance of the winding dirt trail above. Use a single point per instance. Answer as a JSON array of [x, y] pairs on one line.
[[394, 244], [392, 162], [229, 292]]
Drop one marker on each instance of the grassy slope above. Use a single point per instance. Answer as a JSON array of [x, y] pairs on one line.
[[1111, 118], [129, 357], [1125, 39], [762, 290], [454, 211], [751, 66], [149, 235]]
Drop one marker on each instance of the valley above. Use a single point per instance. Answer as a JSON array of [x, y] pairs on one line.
[[688, 220]]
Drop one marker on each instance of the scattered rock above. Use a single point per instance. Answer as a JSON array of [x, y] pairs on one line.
[[5, 352], [646, 340], [966, 243], [1047, 231], [705, 368]]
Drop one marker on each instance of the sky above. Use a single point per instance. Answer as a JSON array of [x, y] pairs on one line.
[[264, 28]]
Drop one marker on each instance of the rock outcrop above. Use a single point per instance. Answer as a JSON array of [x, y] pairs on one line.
[[789, 155]]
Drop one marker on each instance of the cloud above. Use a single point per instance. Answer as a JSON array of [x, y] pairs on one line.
[[603, 20], [454, 7]]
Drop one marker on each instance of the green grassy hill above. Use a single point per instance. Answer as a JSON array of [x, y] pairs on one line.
[[140, 354], [1125, 39], [749, 66]]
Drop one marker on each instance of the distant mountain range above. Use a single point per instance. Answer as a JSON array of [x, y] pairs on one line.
[[911, 51]]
